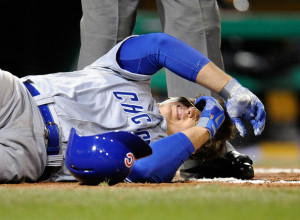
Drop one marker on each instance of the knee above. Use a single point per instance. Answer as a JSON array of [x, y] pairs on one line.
[[6, 85], [6, 81]]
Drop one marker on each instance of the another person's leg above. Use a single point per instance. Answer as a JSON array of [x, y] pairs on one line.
[[197, 23], [104, 23]]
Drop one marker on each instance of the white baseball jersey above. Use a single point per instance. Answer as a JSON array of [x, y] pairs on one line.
[[101, 98]]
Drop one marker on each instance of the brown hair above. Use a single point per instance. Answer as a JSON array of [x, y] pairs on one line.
[[214, 147]]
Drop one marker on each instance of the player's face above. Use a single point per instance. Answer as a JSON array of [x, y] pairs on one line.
[[180, 114]]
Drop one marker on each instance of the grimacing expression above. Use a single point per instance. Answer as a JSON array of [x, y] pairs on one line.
[[180, 114]]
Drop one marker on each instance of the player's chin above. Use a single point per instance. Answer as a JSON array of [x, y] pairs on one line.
[[185, 127], [189, 124], [174, 128]]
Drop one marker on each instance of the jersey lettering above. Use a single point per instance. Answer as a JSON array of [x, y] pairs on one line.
[[133, 96], [136, 119], [129, 105], [145, 135], [132, 108]]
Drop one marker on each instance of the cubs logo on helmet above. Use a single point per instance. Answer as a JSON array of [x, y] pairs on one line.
[[129, 160]]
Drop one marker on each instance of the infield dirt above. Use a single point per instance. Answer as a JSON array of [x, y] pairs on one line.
[[280, 179]]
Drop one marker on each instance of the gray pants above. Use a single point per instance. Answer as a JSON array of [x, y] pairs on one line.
[[196, 22], [104, 23], [22, 143]]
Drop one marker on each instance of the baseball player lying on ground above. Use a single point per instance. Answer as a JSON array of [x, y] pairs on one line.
[[37, 113]]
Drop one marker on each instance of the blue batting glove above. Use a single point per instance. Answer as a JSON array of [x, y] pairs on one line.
[[212, 115], [243, 104]]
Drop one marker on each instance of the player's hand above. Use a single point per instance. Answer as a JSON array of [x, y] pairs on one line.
[[243, 104], [212, 115]]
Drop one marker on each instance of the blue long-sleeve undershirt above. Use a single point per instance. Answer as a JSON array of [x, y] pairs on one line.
[[146, 54], [168, 155]]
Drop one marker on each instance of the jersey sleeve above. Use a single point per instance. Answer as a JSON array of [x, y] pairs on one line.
[[109, 61]]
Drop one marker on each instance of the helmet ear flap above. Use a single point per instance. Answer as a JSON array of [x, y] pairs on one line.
[[105, 157]]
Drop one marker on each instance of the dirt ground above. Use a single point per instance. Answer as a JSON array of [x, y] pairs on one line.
[[280, 179]]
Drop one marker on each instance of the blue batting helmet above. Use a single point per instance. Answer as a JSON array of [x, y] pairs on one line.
[[105, 157]]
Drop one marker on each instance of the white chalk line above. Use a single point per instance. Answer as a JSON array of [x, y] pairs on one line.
[[239, 181], [277, 170], [257, 170]]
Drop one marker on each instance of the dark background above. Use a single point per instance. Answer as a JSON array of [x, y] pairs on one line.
[[39, 37]]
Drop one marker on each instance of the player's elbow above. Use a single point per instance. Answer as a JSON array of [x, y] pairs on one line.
[[143, 174], [161, 40]]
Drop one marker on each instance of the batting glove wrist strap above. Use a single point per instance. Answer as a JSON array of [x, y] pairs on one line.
[[205, 123], [212, 115], [229, 89]]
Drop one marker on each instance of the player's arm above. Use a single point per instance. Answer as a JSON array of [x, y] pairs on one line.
[[169, 153], [147, 54], [212, 77]]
